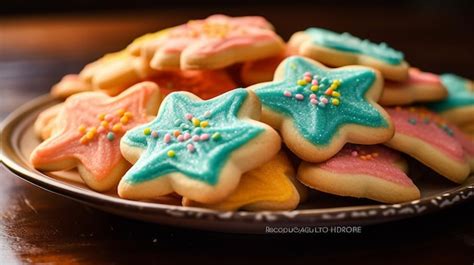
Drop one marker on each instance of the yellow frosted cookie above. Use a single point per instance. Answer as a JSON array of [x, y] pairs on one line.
[[269, 187]]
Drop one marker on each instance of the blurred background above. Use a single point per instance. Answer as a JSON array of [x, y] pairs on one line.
[[40, 41]]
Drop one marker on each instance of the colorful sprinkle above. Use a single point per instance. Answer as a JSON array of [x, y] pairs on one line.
[[196, 138], [186, 136], [188, 116], [121, 112], [196, 122], [190, 148], [313, 101], [216, 136], [335, 101], [287, 93], [335, 94], [299, 96], [176, 133], [101, 116], [324, 100], [204, 137], [105, 124], [154, 134], [110, 136], [146, 131], [180, 138], [128, 115], [204, 124], [302, 82], [124, 120], [167, 138], [354, 153], [171, 153], [314, 88], [82, 129], [83, 140], [312, 96], [101, 129], [90, 135], [108, 117], [207, 114]]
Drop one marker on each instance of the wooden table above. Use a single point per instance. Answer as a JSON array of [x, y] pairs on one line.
[[39, 227]]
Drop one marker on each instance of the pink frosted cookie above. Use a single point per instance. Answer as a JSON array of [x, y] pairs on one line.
[[420, 87], [362, 171], [89, 129], [467, 143], [428, 138], [215, 42]]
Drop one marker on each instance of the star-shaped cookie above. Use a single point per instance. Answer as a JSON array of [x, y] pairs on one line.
[[88, 132], [196, 148], [215, 42], [317, 110]]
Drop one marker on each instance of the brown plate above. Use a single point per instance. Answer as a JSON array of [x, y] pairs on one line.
[[18, 140]]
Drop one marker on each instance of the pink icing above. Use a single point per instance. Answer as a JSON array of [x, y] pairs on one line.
[[236, 32], [416, 77], [429, 132], [466, 142], [349, 160], [100, 156]]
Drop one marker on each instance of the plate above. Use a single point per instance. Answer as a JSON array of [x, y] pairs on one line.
[[18, 140]]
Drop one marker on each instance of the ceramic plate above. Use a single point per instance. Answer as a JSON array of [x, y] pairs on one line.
[[18, 140]]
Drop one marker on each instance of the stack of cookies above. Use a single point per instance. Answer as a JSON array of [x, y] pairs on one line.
[[209, 113]]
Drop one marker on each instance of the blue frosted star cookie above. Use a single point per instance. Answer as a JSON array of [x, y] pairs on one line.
[[197, 148], [458, 107], [317, 110], [341, 49]]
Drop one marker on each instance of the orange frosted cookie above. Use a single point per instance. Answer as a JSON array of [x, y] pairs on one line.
[[88, 133], [269, 187], [204, 84]]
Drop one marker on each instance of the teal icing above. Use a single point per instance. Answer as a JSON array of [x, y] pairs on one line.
[[348, 43], [459, 93], [209, 157], [319, 124]]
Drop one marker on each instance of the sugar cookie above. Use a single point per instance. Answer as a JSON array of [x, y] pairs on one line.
[[215, 42], [259, 71], [46, 121], [269, 187], [426, 137], [204, 84], [420, 87], [458, 107], [335, 49], [69, 85], [197, 148], [89, 128], [317, 110], [362, 171]]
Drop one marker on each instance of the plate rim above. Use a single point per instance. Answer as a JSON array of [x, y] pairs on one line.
[[347, 214]]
